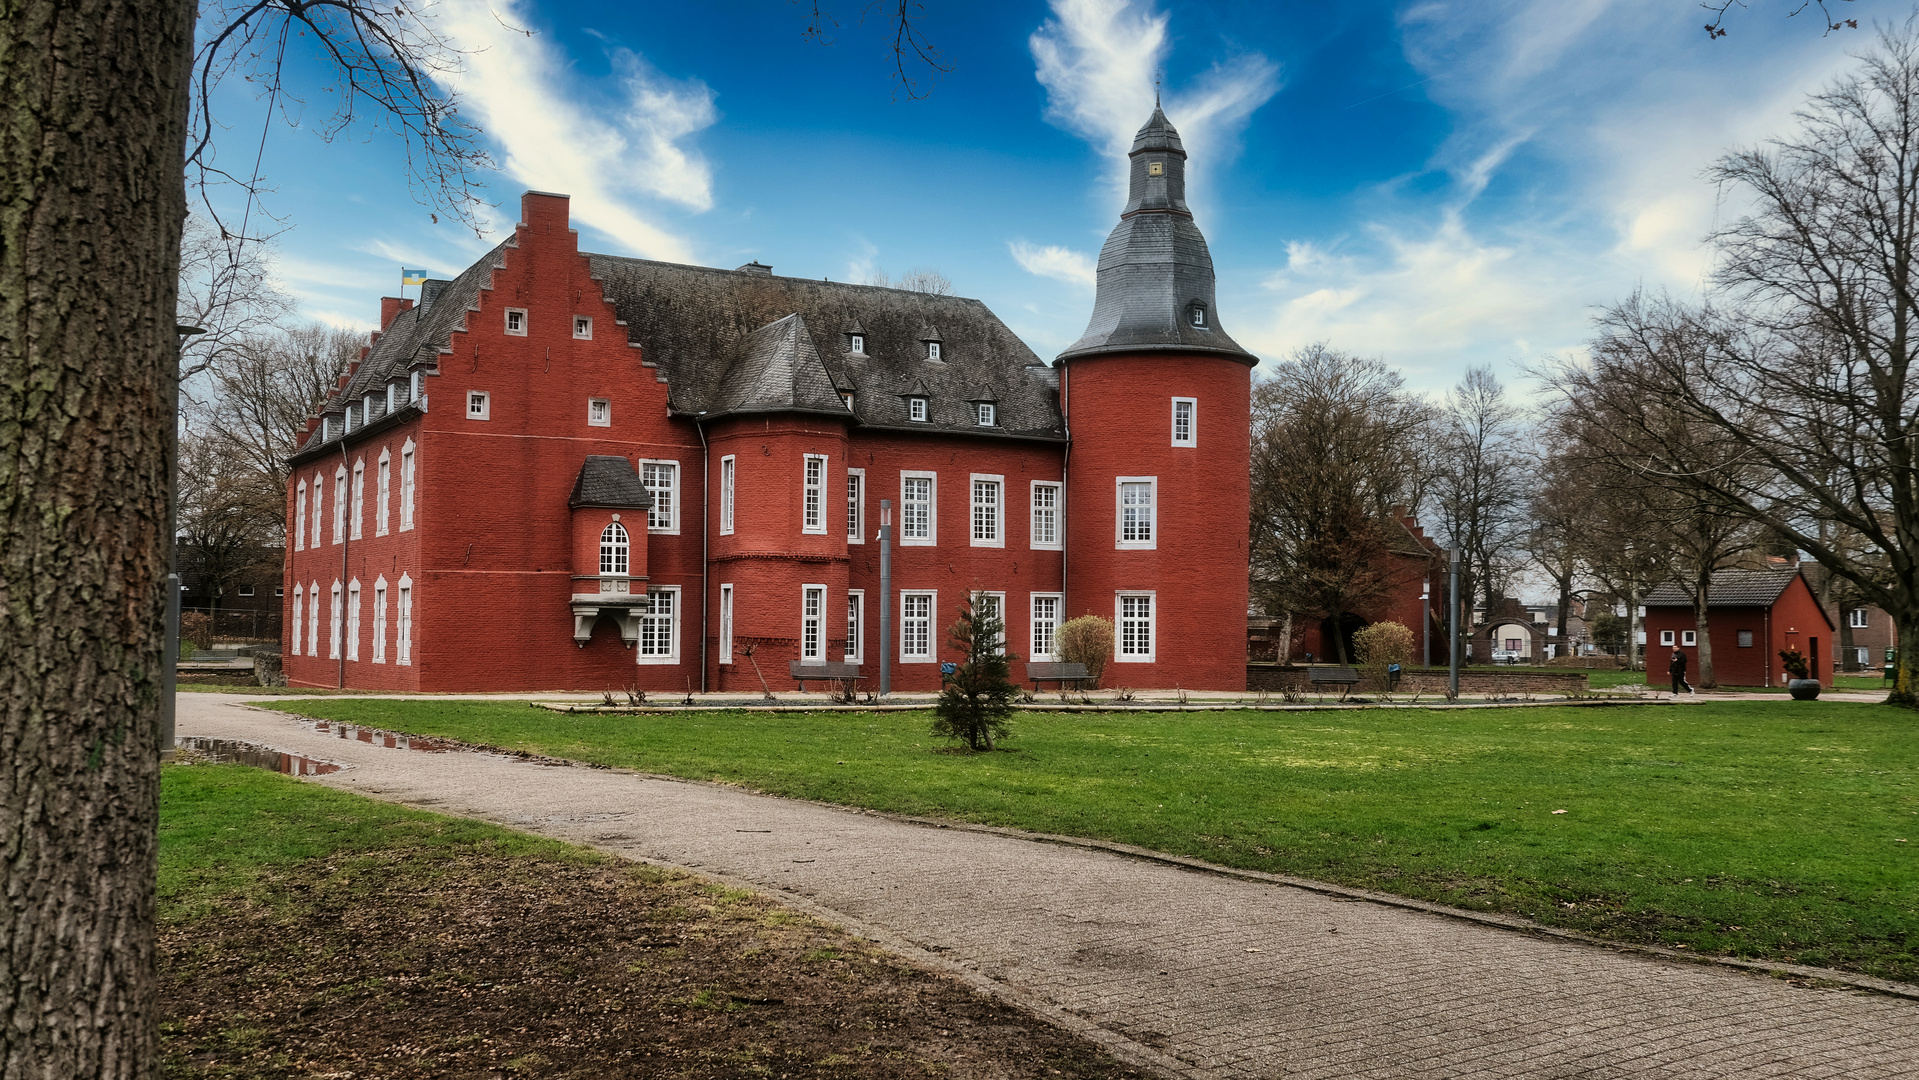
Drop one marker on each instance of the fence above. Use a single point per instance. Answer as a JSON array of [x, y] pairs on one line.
[[228, 625]]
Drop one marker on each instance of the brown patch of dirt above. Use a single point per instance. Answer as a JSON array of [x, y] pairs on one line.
[[493, 967]]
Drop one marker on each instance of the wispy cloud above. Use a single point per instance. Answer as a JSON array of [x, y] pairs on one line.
[[1053, 261], [556, 135]]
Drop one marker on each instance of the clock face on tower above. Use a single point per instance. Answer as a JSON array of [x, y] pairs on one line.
[[1155, 168]]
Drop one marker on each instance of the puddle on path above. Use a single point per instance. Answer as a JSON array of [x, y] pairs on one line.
[[377, 737], [246, 753]]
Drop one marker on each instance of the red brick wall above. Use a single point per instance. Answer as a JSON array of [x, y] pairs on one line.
[[1793, 622], [1119, 409]]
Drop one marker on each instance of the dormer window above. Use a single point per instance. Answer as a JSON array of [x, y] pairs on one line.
[[848, 399], [392, 393], [326, 428], [986, 413], [1199, 316], [916, 409], [932, 350], [346, 424], [366, 409], [416, 385], [858, 343]]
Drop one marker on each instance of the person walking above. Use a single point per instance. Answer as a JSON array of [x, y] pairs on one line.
[[1678, 670]]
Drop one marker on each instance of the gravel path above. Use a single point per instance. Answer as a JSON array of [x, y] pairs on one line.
[[1197, 974]]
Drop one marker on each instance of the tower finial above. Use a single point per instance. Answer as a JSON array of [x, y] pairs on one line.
[[1158, 76]]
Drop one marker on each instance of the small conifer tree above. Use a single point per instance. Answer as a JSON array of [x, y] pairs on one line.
[[977, 697]]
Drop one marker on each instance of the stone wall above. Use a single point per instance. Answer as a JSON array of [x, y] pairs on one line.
[[1275, 678]]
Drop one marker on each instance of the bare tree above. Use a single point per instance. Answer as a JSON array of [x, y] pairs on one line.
[[919, 279], [260, 393], [1716, 27], [1556, 540], [1482, 477], [1335, 449], [227, 291], [231, 524]]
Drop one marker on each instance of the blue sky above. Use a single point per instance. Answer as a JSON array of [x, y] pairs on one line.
[[1435, 183]]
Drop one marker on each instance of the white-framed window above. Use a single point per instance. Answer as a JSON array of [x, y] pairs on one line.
[[479, 405], [1136, 526], [383, 510], [245, 590], [379, 619], [359, 497], [813, 494], [726, 624], [346, 420], [1044, 623], [416, 386], [1133, 642], [1689, 637], [662, 479], [988, 528], [812, 624], [353, 620], [366, 408], [614, 548], [847, 400], [985, 413], [1665, 637], [280, 590], [726, 495], [1199, 316], [1185, 421], [339, 505], [1046, 498], [855, 508], [313, 619], [599, 412], [300, 517], [392, 396], [406, 486], [932, 350], [516, 321], [319, 490], [1856, 618], [916, 409], [299, 620], [582, 328], [859, 343], [403, 639], [916, 626], [855, 622], [919, 509], [992, 605], [660, 626], [334, 623]]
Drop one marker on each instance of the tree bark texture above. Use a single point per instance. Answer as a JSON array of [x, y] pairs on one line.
[[92, 136]]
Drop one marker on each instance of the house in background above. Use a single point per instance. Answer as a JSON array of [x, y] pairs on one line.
[[1865, 634], [1512, 634], [1413, 599], [1752, 615]]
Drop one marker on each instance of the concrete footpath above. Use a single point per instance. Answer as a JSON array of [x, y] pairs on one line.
[[1196, 974]]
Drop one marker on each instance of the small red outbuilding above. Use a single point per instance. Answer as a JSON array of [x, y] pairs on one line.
[[1752, 616]]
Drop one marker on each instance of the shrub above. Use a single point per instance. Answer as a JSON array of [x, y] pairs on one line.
[[1795, 664], [1086, 640], [196, 628], [977, 697], [1379, 645]]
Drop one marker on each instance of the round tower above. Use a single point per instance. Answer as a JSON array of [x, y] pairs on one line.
[[1157, 401]]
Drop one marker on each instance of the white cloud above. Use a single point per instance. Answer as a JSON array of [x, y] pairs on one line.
[[1063, 264], [612, 157]]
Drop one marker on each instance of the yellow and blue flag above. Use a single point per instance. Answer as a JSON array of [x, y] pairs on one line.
[[412, 277]]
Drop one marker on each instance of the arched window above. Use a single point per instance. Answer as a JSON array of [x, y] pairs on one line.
[[613, 549]]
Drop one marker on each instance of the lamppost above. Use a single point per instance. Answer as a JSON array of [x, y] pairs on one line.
[[886, 597]]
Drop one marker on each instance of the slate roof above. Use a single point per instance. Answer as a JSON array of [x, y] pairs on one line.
[[777, 369], [1155, 268], [1729, 588], [610, 482]]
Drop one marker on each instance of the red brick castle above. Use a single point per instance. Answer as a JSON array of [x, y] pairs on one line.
[[563, 470]]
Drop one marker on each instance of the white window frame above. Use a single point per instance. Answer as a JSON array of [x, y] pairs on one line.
[[986, 414], [409, 463], [932, 620], [672, 525], [416, 386], [514, 327], [931, 539], [602, 406], [856, 506], [1119, 513], [916, 410], [319, 499], [1856, 618], [616, 556], [1665, 637], [813, 622], [383, 510], [932, 350], [855, 626], [244, 590], [392, 396], [813, 494], [334, 626], [359, 499], [299, 617], [1199, 317], [858, 344], [403, 630], [484, 402], [313, 619], [1034, 622], [999, 603], [339, 505], [726, 623], [1119, 626], [1192, 421], [1689, 637], [672, 628], [976, 521], [1034, 510], [353, 620], [379, 619], [582, 328], [300, 518], [728, 469]]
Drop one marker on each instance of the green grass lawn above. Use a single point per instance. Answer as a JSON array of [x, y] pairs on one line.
[[1780, 830]]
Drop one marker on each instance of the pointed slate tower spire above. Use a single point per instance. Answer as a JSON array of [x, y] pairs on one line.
[[1155, 285]]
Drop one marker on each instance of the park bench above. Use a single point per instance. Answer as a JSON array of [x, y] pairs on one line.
[[838, 672], [1057, 673], [1343, 677]]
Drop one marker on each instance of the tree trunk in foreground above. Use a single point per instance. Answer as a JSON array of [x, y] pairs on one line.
[[91, 204]]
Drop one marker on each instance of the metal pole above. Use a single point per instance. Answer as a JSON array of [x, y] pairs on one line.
[[1452, 621], [886, 597], [1426, 610], [170, 650]]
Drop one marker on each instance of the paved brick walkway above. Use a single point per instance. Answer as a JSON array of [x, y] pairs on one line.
[[1201, 974]]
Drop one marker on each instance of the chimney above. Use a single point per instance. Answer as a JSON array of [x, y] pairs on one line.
[[389, 307], [754, 267]]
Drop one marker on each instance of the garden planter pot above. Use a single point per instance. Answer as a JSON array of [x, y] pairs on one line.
[[1803, 689]]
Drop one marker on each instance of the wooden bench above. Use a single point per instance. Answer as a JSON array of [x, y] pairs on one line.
[[1057, 673], [839, 672], [1344, 677]]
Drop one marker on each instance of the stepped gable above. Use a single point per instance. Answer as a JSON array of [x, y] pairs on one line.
[[1729, 588], [607, 481], [776, 369], [1155, 270], [691, 322]]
